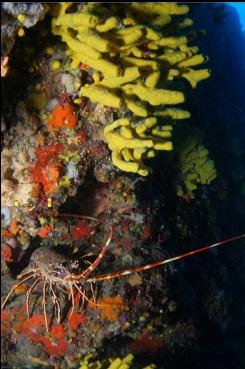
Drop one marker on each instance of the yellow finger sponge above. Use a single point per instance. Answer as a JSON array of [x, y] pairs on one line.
[[195, 168], [89, 362], [131, 57], [132, 49], [130, 146]]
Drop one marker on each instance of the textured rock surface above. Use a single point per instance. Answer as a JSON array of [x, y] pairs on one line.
[[33, 12]]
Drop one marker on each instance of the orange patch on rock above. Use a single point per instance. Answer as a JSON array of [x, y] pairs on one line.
[[75, 320], [47, 170], [7, 253], [81, 230], [14, 228], [51, 348], [82, 136], [6, 233], [112, 307], [147, 233], [63, 116], [84, 66], [45, 231], [147, 343], [58, 331], [21, 289], [134, 279], [5, 316], [36, 320]]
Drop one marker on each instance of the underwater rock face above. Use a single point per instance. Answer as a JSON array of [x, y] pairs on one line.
[[86, 109], [70, 133], [11, 21]]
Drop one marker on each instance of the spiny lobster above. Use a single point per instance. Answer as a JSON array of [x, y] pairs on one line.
[[57, 271]]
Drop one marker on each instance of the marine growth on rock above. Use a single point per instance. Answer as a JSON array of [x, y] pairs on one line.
[[134, 54]]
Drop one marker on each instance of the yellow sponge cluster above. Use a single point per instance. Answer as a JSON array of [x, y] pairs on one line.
[[196, 168], [130, 54], [128, 49], [126, 363], [130, 145]]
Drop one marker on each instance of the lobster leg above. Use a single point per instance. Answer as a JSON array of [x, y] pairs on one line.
[[28, 296], [92, 289], [87, 299], [26, 271], [72, 301], [82, 302], [86, 255], [14, 288], [56, 303], [84, 295], [44, 306]]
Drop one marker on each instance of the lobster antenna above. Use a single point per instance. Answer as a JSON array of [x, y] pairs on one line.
[[162, 262]]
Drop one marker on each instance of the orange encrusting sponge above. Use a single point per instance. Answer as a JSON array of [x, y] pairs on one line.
[[63, 116]]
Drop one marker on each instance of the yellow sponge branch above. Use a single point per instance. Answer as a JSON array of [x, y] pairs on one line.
[[76, 20], [90, 362], [130, 75], [109, 24], [195, 76], [131, 145], [155, 96], [102, 96], [160, 8], [195, 167], [93, 38], [194, 60], [173, 113]]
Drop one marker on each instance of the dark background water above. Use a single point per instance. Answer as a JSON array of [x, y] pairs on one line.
[[217, 106]]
